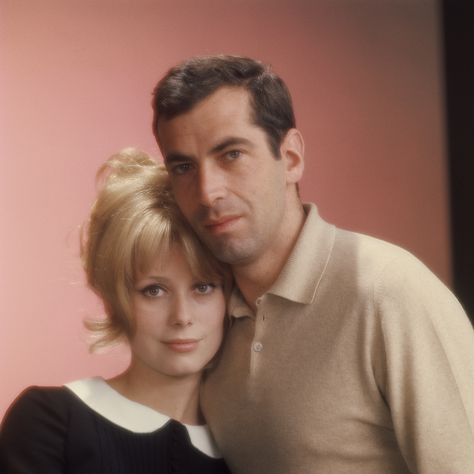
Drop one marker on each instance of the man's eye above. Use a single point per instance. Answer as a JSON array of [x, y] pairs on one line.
[[181, 168], [233, 154], [153, 291], [204, 288]]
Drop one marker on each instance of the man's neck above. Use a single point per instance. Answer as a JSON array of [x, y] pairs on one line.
[[256, 277]]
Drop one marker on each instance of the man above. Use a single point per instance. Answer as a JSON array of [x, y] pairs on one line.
[[345, 354]]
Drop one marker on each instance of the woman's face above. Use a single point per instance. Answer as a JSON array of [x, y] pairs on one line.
[[179, 319]]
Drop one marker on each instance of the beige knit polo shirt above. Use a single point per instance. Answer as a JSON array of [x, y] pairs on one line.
[[358, 360]]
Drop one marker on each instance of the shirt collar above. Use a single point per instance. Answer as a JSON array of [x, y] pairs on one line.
[[300, 277], [237, 307], [132, 416]]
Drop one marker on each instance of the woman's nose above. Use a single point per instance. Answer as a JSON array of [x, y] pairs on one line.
[[181, 314]]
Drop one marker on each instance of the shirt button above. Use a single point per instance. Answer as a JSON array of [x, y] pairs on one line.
[[257, 346]]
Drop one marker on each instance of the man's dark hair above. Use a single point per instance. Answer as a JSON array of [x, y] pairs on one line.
[[197, 78]]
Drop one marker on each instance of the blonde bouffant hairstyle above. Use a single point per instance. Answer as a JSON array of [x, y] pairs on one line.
[[133, 221]]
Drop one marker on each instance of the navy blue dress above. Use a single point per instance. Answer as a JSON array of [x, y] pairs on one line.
[[87, 427]]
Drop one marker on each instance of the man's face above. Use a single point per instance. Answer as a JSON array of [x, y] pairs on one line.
[[226, 181]]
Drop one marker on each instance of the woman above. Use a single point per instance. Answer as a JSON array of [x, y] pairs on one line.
[[164, 294]]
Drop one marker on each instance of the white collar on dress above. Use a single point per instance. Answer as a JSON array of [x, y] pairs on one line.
[[133, 416]]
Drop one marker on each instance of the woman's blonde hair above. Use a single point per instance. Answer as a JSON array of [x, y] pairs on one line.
[[133, 220]]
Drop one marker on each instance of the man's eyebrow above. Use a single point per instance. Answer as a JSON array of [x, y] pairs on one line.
[[228, 142], [176, 157]]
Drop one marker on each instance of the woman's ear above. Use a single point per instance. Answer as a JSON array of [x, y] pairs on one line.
[[292, 151]]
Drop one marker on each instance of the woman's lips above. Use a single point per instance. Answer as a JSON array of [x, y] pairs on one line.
[[182, 345]]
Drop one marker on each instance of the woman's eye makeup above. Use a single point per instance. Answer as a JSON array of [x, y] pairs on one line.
[[204, 288], [155, 291], [152, 291]]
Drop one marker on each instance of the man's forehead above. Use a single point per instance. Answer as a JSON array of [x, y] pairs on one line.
[[225, 102], [224, 116], [227, 94]]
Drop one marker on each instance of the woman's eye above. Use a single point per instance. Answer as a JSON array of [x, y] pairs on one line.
[[204, 288], [152, 291]]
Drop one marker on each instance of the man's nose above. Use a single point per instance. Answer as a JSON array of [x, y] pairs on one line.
[[211, 185]]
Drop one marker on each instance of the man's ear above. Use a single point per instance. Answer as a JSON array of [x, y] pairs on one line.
[[292, 151]]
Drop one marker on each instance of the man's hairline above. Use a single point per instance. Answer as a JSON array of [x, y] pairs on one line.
[[252, 118]]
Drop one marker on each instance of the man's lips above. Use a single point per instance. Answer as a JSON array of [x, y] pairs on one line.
[[220, 225], [182, 345]]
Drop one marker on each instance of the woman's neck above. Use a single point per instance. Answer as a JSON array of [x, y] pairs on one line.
[[176, 397]]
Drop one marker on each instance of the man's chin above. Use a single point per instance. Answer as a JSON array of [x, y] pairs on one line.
[[229, 251]]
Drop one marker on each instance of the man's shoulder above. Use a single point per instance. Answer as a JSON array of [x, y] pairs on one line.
[[334, 257], [379, 266], [347, 242], [363, 253]]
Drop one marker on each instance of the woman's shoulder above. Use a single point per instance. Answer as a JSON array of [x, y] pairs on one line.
[[34, 430], [35, 402], [37, 412], [41, 394]]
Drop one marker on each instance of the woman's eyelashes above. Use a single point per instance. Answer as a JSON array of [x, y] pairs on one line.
[[204, 288], [200, 288], [152, 291]]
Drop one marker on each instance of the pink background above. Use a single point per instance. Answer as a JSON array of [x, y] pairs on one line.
[[76, 78]]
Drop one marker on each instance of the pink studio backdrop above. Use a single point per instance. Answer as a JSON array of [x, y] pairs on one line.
[[76, 79]]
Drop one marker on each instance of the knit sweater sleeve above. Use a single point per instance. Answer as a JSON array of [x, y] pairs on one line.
[[428, 366], [33, 433]]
